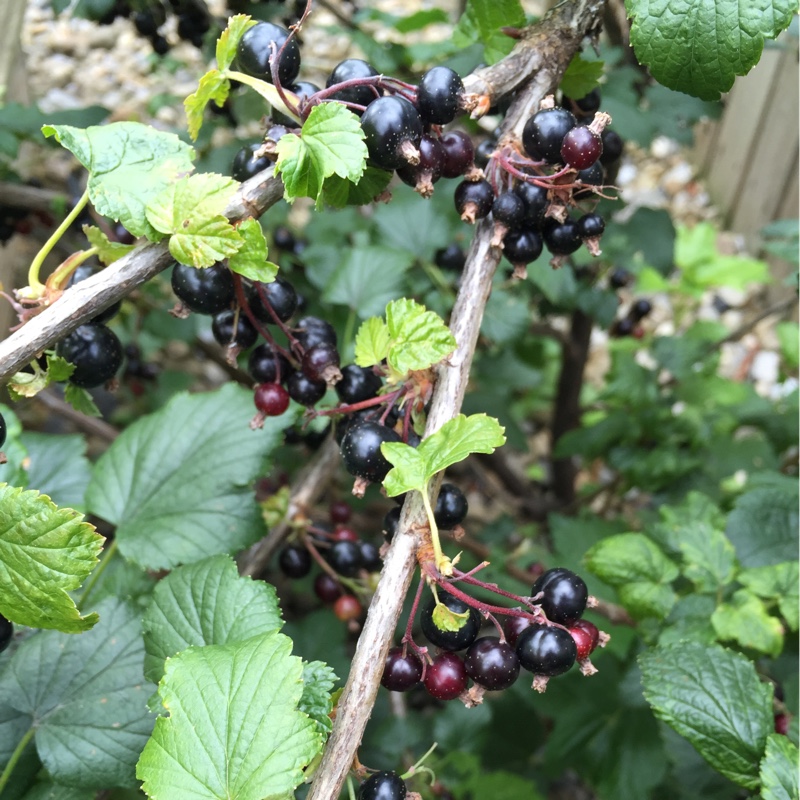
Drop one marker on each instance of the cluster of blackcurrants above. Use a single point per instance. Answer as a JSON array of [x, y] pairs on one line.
[[629, 325], [545, 646]]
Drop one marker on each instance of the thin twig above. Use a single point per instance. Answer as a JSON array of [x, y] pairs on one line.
[[90, 425], [779, 308]]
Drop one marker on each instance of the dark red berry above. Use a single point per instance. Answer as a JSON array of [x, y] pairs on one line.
[[564, 595], [459, 153], [545, 131], [347, 608], [446, 678], [271, 399], [344, 534], [339, 512], [450, 640], [401, 672], [586, 637], [294, 561], [326, 588], [546, 650], [581, 148], [429, 170], [438, 95], [319, 360], [513, 627], [382, 786], [491, 663], [781, 722]]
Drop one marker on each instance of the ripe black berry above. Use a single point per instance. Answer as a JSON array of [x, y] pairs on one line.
[[303, 90], [451, 258], [522, 247], [491, 663], [3, 430], [313, 330], [281, 296], [581, 148], [401, 672], [513, 627], [535, 199], [294, 561], [361, 450], [473, 199], [370, 557], [382, 786], [590, 226], [328, 589], [271, 399], [438, 95], [204, 291], [319, 360], [83, 272], [640, 309], [357, 384], [96, 353], [423, 175], [450, 640], [508, 208], [459, 153], [345, 558], [451, 506], [243, 335], [545, 131], [6, 633], [613, 145], [246, 164], [305, 391], [619, 278], [254, 54], [390, 125], [623, 327], [563, 238], [266, 366], [483, 152], [546, 650], [593, 176], [350, 69], [446, 677], [564, 595], [586, 105], [390, 523]]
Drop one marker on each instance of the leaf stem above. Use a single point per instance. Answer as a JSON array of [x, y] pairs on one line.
[[33, 272], [108, 554], [443, 563], [351, 792], [15, 756], [267, 91]]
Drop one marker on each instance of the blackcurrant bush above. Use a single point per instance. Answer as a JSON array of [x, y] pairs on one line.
[[96, 353], [562, 238], [390, 125], [327, 588], [546, 650], [83, 272], [345, 558], [304, 390], [319, 360], [370, 557], [294, 561], [254, 54], [6, 633], [228, 330], [484, 151], [347, 608], [357, 384], [450, 640], [545, 131], [586, 637], [522, 247], [491, 663], [640, 309], [451, 258], [390, 523], [509, 209], [382, 786], [401, 672], [271, 399], [348, 70], [564, 595], [246, 163], [281, 296], [451, 507], [581, 148], [361, 450], [266, 366], [3, 430], [535, 199], [446, 678], [313, 330], [613, 145], [513, 627], [459, 153], [439, 95], [473, 199], [591, 226], [204, 291]]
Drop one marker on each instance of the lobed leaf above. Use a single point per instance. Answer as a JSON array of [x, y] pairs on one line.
[[483, 20], [213, 86], [316, 700], [229, 39], [251, 259], [779, 779], [746, 621], [107, 251], [776, 582], [372, 342], [629, 557], [581, 77], [419, 338]]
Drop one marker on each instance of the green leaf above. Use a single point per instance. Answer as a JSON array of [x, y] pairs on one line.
[[557, 285], [581, 77], [234, 731], [628, 557], [777, 582], [700, 46], [709, 557], [779, 780], [714, 698], [29, 384], [745, 620], [107, 251], [316, 701], [340, 192], [213, 86], [330, 143], [251, 259], [46, 790], [372, 342], [419, 338], [57, 466], [205, 603], [177, 482], [482, 21], [45, 552], [445, 619], [789, 337], [85, 696], [129, 163], [647, 599], [409, 469], [229, 39], [81, 400], [190, 209]]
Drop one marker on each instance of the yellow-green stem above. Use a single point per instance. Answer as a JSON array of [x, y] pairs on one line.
[[108, 554], [15, 756], [442, 562], [33, 272], [266, 90], [351, 792], [63, 272]]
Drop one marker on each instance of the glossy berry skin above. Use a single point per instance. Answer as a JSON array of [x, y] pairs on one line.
[[484, 151], [345, 558], [3, 430], [281, 296], [561, 239], [535, 199], [382, 786], [266, 366], [513, 627], [326, 588], [438, 95], [246, 164], [451, 507], [96, 353], [459, 153], [451, 258], [371, 557], [491, 663], [254, 53], [318, 359], [431, 159], [546, 650], [587, 104], [361, 450], [450, 640], [545, 131], [313, 330], [473, 198], [294, 561], [303, 90], [564, 595], [204, 291], [350, 69], [586, 637], [509, 208], [271, 399], [619, 278], [83, 272], [6, 633], [593, 176], [347, 608], [390, 523], [640, 309], [613, 146], [522, 247], [305, 391], [590, 226], [339, 512], [446, 677], [581, 148], [401, 673], [244, 335], [357, 384], [344, 534], [387, 123]]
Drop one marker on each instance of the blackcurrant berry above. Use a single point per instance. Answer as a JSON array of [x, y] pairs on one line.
[[586, 637], [423, 175], [6, 633], [439, 95], [623, 327], [370, 557], [451, 507], [473, 199], [294, 561], [319, 360], [339, 511], [564, 595], [491, 663], [357, 384], [228, 330], [327, 588], [509, 209], [535, 199], [347, 608], [348, 70], [619, 278], [581, 148], [545, 131], [483, 152], [513, 627], [255, 51], [401, 672], [204, 291], [246, 163], [159, 44], [446, 678], [563, 238], [145, 23], [522, 247], [3, 430], [83, 272], [640, 309], [305, 391], [391, 125], [96, 353], [586, 105], [266, 366], [313, 330], [271, 399], [344, 534], [450, 640], [451, 258], [591, 226], [303, 90], [613, 145], [361, 450], [390, 523], [345, 558], [281, 297], [459, 153], [593, 176], [382, 786], [546, 650], [284, 239]]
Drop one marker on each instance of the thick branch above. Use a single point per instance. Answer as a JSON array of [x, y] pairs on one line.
[[544, 52], [20, 195], [88, 298]]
